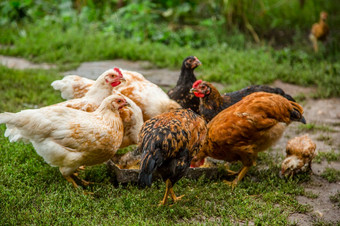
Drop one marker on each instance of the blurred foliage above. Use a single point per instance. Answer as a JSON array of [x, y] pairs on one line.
[[194, 23]]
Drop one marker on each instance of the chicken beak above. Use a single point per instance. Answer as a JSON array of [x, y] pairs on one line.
[[127, 104], [303, 120], [122, 79], [124, 105], [198, 63], [193, 90]]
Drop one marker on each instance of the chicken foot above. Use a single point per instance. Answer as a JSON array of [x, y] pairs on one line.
[[169, 190], [73, 182], [229, 171], [174, 197], [239, 177]]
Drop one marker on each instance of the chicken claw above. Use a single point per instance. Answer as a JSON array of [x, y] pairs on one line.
[[229, 171], [232, 184], [174, 197], [169, 191], [239, 177], [71, 180]]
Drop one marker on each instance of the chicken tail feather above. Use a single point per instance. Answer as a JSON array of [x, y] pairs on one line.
[[149, 164], [6, 117], [12, 132]]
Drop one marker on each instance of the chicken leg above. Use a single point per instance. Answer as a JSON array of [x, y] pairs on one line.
[[73, 182], [168, 185], [314, 41], [239, 177], [169, 190], [228, 170]]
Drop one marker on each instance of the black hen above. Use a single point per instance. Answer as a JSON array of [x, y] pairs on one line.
[[180, 93], [168, 143], [212, 102]]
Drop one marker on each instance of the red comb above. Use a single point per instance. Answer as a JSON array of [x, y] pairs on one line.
[[118, 71], [196, 83]]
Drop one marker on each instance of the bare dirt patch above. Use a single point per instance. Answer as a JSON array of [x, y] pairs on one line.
[[324, 113]]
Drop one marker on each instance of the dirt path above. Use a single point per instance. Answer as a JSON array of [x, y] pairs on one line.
[[324, 113]]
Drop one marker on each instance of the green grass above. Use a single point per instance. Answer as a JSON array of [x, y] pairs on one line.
[[329, 156], [235, 68], [32, 192], [27, 89], [335, 198], [332, 175]]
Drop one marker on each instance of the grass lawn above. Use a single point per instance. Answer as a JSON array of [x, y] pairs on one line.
[[32, 192]]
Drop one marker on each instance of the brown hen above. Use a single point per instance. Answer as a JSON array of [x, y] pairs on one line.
[[250, 126]]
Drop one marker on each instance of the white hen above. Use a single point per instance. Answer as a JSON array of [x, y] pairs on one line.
[[100, 89], [97, 91], [69, 138], [147, 95]]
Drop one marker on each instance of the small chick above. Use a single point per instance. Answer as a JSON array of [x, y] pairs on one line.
[[300, 153]]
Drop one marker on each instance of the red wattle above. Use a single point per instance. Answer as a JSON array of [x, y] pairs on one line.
[[197, 94], [114, 84]]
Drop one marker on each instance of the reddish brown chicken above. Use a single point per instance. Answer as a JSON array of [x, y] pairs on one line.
[[250, 126], [319, 31], [212, 102]]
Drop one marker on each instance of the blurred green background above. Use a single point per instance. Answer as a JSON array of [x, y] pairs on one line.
[[255, 41]]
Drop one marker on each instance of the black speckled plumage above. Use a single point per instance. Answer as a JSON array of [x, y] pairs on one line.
[[180, 93], [168, 143]]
